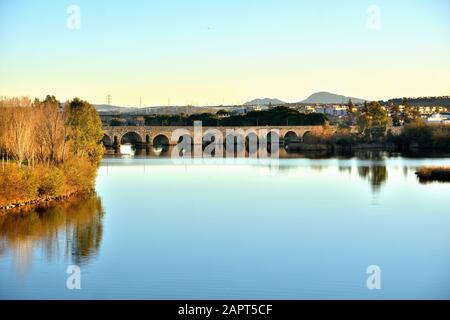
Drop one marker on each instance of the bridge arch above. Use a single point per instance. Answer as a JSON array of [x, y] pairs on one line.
[[161, 140], [308, 136], [252, 141], [185, 139], [273, 141], [272, 136], [234, 138], [212, 136], [131, 137], [290, 136]]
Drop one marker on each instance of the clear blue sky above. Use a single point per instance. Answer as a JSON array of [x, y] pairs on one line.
[[209, 51]]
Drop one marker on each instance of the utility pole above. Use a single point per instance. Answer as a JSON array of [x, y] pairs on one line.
[[140, 102], [108, 99]]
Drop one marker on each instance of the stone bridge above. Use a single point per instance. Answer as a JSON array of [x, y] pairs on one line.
[[171, 135]]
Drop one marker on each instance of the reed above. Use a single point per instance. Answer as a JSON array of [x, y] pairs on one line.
[[434, 174]]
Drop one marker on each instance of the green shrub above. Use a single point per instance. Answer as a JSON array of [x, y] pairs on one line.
[[80, 173], [17, 184], [425, 136], [52, 181]]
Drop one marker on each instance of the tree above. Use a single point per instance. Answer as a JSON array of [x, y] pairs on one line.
[[351, 117], [415, 114], [51, 129], [396, 116], [362, 121], [372, 115], [406, 111], [377, 115], [222, 113], [365, 107], [351, 106], [85, 130], [18, 129]]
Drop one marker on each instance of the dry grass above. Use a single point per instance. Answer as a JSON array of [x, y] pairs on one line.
[[434, 173]]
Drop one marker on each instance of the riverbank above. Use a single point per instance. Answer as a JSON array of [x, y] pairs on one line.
[[43, 202], [31, 186]]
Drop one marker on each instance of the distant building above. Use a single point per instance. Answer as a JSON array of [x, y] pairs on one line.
[[252, 108], [439, 118], [426, 110], [306, 109], [332, 110]]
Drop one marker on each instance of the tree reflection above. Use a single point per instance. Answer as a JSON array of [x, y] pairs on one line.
[[73, 229], [376, 174]]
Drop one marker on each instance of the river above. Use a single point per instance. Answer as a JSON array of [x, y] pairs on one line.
[[299, 227]]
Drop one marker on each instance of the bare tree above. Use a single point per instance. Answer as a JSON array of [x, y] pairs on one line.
[[18, 128], [51, 132]]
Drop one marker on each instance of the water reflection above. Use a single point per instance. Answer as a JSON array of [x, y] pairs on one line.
[[372, 169], [376, 175], [243, 151], [72, 229], [233, 231]]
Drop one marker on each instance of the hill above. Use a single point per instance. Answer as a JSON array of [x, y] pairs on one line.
[[330, 98], [265, 102]]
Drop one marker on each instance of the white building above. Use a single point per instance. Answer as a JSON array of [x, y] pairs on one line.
[[332, 110], [439, 118], [253, 108]]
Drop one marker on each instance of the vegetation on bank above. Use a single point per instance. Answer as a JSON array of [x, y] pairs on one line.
[[434, 174], [415, 136], [47, 149], [279, 116], [420, 135]]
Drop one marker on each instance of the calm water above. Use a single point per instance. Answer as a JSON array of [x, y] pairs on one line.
[[289, 229]]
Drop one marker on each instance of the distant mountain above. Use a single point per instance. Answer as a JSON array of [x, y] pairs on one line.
[[264, 102], [330, 98]]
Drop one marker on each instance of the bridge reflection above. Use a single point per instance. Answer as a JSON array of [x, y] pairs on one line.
[[205, 150]]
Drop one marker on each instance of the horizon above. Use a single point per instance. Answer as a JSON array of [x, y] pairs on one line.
[[227, 105], [223, 54]]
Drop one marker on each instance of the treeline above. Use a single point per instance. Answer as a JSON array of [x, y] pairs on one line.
[[443, 101], [416, 135], [47, 148], [423, 136], [279, 116]]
